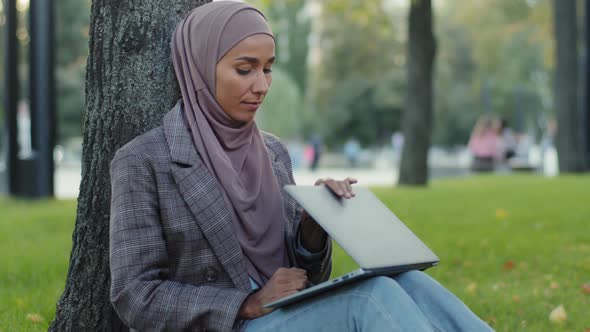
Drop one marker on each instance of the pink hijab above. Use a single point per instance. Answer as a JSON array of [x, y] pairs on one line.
[[235, 153]]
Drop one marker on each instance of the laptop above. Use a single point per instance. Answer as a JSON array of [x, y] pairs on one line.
[[367, 230]]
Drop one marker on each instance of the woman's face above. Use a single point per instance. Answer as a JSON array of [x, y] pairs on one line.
[[243, 77]]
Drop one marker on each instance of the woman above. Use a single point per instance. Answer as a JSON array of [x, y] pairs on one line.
[[485, 145], [202, 234]]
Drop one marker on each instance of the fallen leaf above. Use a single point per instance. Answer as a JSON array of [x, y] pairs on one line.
[[587, 329], [467, 264], [586, 288], [516, 298], [34, 317], [471, 287], [508, 265], [554, 285], [501, 214], [558, 315]]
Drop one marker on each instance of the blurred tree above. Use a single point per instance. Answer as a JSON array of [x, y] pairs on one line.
[[2, 32], [72, 50], [569, 139], [130, 85], [417, 118], [498, 63], [23, 38], [291, 24], [281, 112], [358, 82]]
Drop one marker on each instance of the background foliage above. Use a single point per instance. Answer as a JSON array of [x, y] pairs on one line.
[[497, 64], [345, 62]]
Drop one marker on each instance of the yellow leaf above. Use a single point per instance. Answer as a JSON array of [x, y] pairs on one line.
[[558, 315], [34, 317], [471, 287], [501, 214]]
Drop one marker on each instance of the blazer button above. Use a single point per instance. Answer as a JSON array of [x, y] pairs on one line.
[[211, 275]]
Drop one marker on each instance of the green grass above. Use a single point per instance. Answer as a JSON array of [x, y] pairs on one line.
[[504, 241], [35, 242], [512, 248]]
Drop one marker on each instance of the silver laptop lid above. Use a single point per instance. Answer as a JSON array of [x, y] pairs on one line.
[[364, 227]]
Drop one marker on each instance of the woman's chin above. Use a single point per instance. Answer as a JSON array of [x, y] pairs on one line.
[[243, 119]]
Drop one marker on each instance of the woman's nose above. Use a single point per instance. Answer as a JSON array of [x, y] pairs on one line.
[[261, 84]]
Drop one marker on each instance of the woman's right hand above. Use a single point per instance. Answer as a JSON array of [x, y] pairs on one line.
[[284, 282]]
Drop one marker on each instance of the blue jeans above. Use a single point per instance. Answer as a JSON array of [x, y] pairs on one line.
[[411, 301]]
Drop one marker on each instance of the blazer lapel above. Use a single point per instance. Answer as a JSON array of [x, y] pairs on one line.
[[204, 198]]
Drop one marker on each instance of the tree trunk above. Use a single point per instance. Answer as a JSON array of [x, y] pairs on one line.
[[417, 118], [569, 137], [586, 85], [130, 84]]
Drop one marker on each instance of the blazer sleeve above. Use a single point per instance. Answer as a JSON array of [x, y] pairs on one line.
[[142, 292], [318, 265]]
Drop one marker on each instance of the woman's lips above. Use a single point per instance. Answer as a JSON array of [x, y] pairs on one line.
[[251, 106]]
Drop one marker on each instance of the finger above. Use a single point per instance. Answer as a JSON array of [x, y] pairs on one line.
[[335, 187], [302, 284], [352, 180], [298, 284], [323, 181], [298, 272], [349, 188], [343, 189]]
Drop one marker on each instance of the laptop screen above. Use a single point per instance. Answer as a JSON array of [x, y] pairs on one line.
[[363, 226]]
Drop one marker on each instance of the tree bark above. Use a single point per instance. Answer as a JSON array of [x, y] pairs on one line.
[[569, 141], [130, 85], [417, 118]]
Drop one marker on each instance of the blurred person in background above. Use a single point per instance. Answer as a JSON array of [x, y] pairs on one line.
[[317, 149], [485, 145], [509, 144], [352, 150]]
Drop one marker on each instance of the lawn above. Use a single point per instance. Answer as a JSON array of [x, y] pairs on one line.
[[514, 248]]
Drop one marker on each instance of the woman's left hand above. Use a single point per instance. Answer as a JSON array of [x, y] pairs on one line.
[[342, 188]]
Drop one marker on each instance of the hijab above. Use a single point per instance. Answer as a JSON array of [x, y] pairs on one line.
[[233, 152]]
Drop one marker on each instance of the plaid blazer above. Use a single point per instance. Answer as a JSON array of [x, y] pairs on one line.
[[175, 260]]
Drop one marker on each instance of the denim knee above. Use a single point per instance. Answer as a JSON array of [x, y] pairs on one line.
[[380, 286]]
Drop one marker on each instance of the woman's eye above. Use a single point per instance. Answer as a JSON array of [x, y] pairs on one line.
[[243, 71], [267, 70]]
